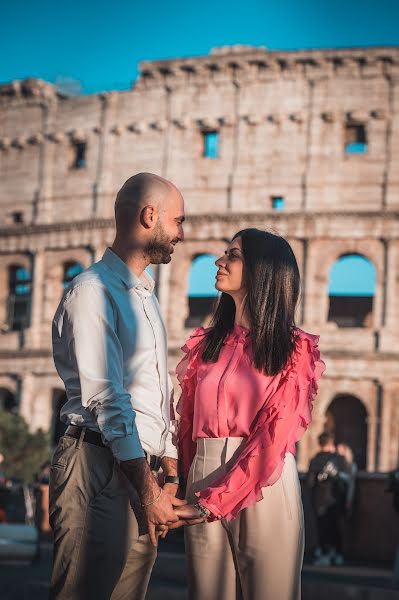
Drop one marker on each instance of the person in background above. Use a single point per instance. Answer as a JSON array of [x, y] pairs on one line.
[[393, 488], [349, 477], [327, 478]]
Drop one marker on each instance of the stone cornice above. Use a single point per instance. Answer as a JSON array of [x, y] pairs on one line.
[[227, 56], [243, 62], [338, 355], [205, 123], [207, 226], [233, 62], [200, 219], [29, 88], [25, 353]]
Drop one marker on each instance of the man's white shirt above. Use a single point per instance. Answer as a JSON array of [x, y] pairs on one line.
[[110, 349]]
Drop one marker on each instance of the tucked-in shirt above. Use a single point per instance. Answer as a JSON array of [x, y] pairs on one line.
[[110, 349], [231, 398]]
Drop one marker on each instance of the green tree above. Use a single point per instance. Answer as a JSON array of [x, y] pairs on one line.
[[23, 451]]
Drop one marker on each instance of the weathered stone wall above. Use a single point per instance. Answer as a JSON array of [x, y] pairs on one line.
[[281, 118]]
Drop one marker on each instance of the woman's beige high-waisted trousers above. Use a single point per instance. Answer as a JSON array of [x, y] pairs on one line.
[[258, 555]]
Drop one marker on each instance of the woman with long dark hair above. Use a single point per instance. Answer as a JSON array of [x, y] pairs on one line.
[[248, 383]]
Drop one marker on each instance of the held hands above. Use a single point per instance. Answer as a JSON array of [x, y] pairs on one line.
[[185, 514], [161, 513], [161, 507]]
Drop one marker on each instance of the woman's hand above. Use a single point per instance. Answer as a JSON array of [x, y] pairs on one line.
[[189, 512]]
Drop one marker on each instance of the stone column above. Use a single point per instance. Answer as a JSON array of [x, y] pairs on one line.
[[44, 193], [37, 299], [390, 341], [103, 187], [162, 287], [389, 449], [372, 421], [316, 292], [392, 275], [177, 307], [26, 396]]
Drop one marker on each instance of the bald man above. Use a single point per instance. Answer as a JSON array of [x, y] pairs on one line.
[[110, 349]]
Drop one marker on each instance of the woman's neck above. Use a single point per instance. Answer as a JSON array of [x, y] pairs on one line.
[[241, 316]]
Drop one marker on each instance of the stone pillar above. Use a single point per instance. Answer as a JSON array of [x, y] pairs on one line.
[[389, 449], [163, 287], [392, 306], [372, 421], [37, 299], [103, 185], [177, 310], [97, 251], [26, 396], [44, 193], [389, 340], [316, 292]]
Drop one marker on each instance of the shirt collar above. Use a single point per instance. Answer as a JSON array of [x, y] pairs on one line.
[[143, 283]]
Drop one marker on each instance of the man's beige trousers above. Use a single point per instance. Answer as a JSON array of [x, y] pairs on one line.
[[99, 553], [258, 555]]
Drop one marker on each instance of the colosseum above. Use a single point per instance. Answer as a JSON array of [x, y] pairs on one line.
[[305, 143]]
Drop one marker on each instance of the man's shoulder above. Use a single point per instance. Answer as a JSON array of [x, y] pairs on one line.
[[85, 286], [94, 276]]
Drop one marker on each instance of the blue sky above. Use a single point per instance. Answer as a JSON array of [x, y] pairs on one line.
[[101, 43]]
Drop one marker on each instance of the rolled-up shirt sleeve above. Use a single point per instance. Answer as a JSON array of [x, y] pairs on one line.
[[88, 325]]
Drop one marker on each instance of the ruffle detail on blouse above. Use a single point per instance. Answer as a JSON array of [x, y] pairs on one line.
[[280, 423], [186, 372], [306, 368]]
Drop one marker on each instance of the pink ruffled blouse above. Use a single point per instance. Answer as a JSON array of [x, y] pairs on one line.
[[231, 398]]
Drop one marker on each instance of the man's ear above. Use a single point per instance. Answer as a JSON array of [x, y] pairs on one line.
[[149, 216]]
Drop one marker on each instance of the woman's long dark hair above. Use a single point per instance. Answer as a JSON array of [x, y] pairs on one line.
[[272, 280]]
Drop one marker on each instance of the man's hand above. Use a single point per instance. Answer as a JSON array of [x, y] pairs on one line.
[[161, 514], [157, 506], [171, 489], [189, 515]]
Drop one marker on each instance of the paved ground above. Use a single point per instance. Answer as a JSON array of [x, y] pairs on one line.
[[30, 582]]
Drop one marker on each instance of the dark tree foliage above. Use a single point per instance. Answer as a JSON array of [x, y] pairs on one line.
[[23, 451]]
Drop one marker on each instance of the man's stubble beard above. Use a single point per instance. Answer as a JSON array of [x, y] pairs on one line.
[[158, 248]]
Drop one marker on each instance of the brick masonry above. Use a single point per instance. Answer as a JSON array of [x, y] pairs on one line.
[[281, 118]]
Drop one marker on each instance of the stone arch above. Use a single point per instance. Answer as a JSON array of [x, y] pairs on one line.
[[352, 286], [57, 261], [57, 427], [201, 291], [322, 255], [178, 304], [71, 270], [8, 401], [347, 419], [7, 261], [19, 296]]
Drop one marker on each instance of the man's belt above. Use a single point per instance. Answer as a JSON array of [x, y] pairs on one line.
[[85, 435], [94, 437]]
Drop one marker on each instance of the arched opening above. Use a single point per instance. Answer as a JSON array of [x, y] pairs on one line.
[[19, 297], [351, 291], [71, 270], [8, 401], [58, 427], [347, 421], [201, 290]]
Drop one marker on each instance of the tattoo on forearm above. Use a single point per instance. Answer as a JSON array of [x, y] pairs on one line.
[[140, 476]]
